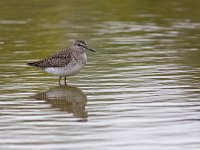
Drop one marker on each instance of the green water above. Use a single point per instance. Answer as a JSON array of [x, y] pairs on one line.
[[140, 90]]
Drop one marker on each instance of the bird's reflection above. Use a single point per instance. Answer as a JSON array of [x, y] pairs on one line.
[[67, 98]]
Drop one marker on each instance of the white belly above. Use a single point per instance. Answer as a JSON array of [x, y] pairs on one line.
[[65, 71]]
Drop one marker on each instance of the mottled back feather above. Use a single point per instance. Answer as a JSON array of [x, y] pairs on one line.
[[59, 59]]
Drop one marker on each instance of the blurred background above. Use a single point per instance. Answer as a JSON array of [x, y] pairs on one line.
[[140, 90]]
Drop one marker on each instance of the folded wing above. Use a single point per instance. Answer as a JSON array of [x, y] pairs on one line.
[[59, 59]]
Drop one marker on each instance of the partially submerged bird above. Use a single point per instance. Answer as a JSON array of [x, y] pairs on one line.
[[66, 62]]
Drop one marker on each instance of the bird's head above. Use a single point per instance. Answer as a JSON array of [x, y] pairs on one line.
[[81, 45]]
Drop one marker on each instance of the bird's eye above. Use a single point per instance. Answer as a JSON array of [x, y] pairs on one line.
[[80, 45]]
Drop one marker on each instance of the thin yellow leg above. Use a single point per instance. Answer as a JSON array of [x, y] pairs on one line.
[[65, 80], [59, 81]]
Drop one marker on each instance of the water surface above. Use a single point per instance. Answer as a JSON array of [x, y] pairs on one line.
[[140, 90]]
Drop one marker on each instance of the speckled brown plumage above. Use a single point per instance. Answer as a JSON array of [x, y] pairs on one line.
[[59, 59]]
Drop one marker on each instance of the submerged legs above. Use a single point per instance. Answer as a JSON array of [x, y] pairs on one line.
[[65, 80]]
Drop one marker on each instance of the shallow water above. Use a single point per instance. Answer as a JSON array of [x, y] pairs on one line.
[[140, 90]]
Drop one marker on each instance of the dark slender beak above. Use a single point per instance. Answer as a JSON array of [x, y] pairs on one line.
[[89, 49]]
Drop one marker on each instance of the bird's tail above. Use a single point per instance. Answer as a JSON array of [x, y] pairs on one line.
[[31, 64]]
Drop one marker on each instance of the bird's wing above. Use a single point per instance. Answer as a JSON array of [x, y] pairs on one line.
[[59, 59]]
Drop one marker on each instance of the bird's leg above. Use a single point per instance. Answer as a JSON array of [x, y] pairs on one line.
[[59, 80], [65, 80]]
